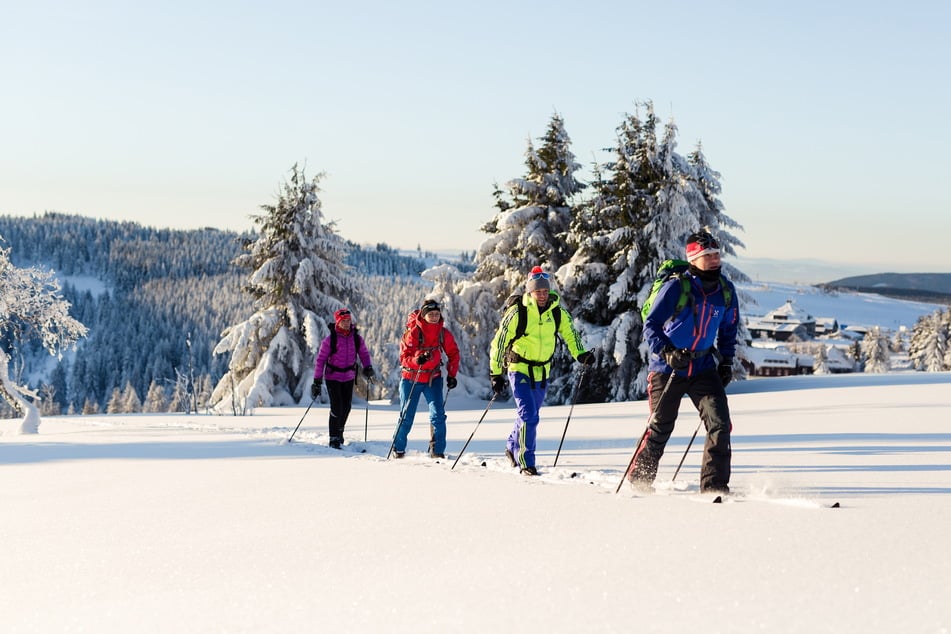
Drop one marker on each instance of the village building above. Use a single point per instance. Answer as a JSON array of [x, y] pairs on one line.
[[783, 324], [766, 356]]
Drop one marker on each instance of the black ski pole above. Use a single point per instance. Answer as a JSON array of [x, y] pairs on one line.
[[689, 445], [313, 400], [650, 420], [574, 399], [366, 417], [399, 425], [481, 418]]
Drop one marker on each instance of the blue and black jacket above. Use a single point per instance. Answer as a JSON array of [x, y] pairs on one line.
[[705, 323]]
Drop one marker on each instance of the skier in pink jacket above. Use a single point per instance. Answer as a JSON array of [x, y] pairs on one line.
[[336, 364]]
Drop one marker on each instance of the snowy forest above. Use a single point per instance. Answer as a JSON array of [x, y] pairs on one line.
[[210, 320], [156, 302]]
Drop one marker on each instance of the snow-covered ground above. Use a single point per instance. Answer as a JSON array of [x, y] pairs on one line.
[[161, 523]]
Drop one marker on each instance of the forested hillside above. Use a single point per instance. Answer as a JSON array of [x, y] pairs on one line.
[[156, 307], [922, 287]]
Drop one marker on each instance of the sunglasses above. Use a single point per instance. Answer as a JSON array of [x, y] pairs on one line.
[[707, 242], [343, 313], [540, 276]]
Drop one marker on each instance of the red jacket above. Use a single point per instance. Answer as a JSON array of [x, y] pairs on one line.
[[422, 336]]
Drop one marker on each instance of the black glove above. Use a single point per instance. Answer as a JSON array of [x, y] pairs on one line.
[[676, 358], [315, 388], [498, 384], [422, 358], [368, 372], [451, 382], [725, 370], [586, 358]]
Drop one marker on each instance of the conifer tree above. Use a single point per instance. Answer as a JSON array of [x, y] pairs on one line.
[[530, 227], [131, 403], [297, 277], [177, 401], [90, 407], [31, 308], [820, 362], [647, 200], [534, 213], [155, 401], [114, 406], [929, 346], [875, 351], [944, 327]]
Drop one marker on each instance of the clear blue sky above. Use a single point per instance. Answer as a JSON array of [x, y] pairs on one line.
[[827, 119]]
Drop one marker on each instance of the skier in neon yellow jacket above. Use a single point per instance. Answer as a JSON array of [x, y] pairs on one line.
[[523, 347]]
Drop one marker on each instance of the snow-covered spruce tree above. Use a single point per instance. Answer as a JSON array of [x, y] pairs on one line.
[[534, 213], [90, 407], [529, 229], [607, 270], [155, 400], [298, 278], [647, 200], [875, 351], [820, 362], [131, 403], [31, 307], [897, 344], [928, 348], [114, 405], [944, 317]]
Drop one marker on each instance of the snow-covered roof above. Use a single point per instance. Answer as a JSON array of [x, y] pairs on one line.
[[771, 357], [777, 356], [772, 326], [788, 312]]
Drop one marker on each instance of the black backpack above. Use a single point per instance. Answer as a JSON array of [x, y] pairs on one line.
[[333, 347], [522, 320]]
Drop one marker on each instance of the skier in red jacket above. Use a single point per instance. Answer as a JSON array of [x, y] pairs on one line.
[[421, 348]]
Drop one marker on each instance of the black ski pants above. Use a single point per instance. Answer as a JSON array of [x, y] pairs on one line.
[[708, 396], [341, 397]]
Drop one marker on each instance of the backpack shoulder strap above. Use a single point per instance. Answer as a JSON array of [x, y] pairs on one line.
[[685, 295], [727, 292], [521, 322]]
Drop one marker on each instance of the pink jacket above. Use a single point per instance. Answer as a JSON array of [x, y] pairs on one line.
[[342, 364]]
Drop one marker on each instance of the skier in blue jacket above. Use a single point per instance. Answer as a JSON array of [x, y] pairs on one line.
[[697, 344]]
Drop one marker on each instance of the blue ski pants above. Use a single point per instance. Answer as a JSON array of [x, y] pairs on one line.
[[409, 401], [528, 402]]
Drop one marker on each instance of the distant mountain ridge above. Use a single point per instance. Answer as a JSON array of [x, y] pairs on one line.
[[929, 287]]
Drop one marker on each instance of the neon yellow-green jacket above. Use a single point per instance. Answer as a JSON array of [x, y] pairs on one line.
[[535, 349]]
